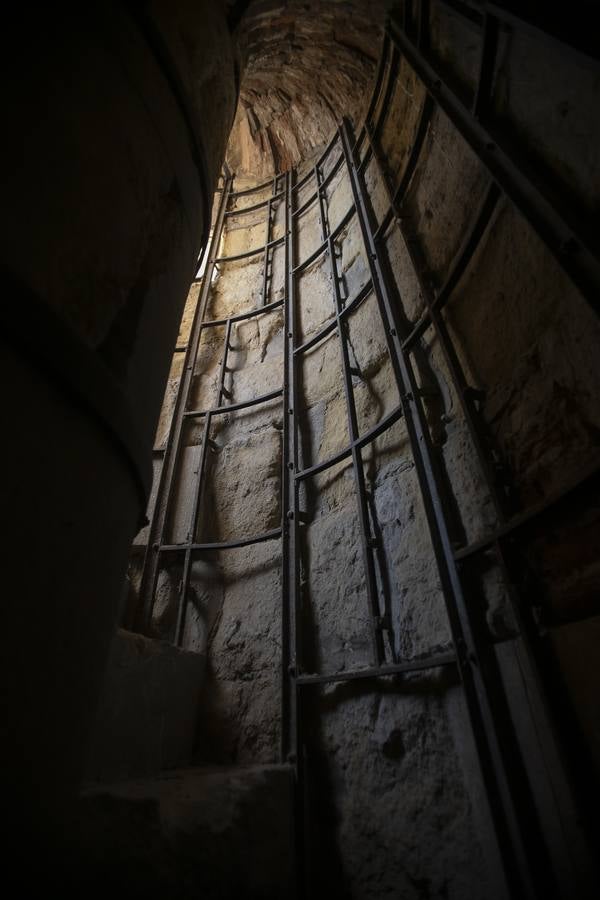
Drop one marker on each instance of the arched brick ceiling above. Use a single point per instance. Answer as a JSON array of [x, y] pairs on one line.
[[306, 64]]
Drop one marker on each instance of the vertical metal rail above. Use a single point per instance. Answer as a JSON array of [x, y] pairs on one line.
[[368, 542], [565, 228], [493, 475], [289, 506], [267, 251], [164, 496], [487, 64], [502, 767], [199, 488], [468, 397], [292, 739], [543, 759]]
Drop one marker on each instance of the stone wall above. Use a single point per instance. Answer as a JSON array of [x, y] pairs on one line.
[[388, 752], [397, 806]]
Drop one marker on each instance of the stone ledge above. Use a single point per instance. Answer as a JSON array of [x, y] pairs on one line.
[[210, 833], [146, 718]]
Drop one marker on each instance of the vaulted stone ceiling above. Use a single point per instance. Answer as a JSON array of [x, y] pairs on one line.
[[306, 64]]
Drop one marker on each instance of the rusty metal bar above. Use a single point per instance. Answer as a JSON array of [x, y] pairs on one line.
[[529, 518], [291, 743], [323, 246], [329, 177], [349, 307], [367, 540], [487, 64], [162, 506], [248, 253], [563, 228], [405, 668], [184, 585], [267, 259], [234, 407], [362, 441], [234, 213], [272, 535], [545, 21], [395, 211], [239, 317], [469, 244], [500, 759]]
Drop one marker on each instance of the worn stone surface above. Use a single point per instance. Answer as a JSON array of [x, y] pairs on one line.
[[397, 797], [285, 112], [216, 833], [240, 713], [547, 98], [147, 715], [576, 648], [538, 365], [389, 807]]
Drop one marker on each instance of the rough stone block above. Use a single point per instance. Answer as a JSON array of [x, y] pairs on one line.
[[576, 646], [210, 833], [147, 714]]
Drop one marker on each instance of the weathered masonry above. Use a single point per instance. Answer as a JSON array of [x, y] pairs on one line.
[[358, 502], [352, 478]]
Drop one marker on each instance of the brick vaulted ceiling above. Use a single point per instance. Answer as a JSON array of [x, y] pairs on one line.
[[305, 65]]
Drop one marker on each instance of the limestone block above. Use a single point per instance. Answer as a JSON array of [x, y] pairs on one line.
[[456, 44], [419, 615], [339, 198], [335, 596], [444, 192], [255, 362], [354, 275], [531, 344], [243, 485], [276, 286], [375, 398], [330, 492], [448, 430], [320, 374], [576, 647], [376, 190], [188, 313], [245, 232], [147, 713], [411, 301], [169, 399], [211, 833], [249, 199], [238, 287], [204, 602], [401, 122], [203, 392], [314, 297], [185, 489], [366, 338], [349, 246], [240, 713], [309, 231], [336, 434], [551, 99], [397, 789]]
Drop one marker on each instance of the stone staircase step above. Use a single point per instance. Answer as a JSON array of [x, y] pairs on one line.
[[214, 834], [147, 714]]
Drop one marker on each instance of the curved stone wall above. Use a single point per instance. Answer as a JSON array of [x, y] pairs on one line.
[[396, 800]]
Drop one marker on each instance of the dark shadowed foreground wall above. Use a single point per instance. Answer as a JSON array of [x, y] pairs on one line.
[[114, 130]]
